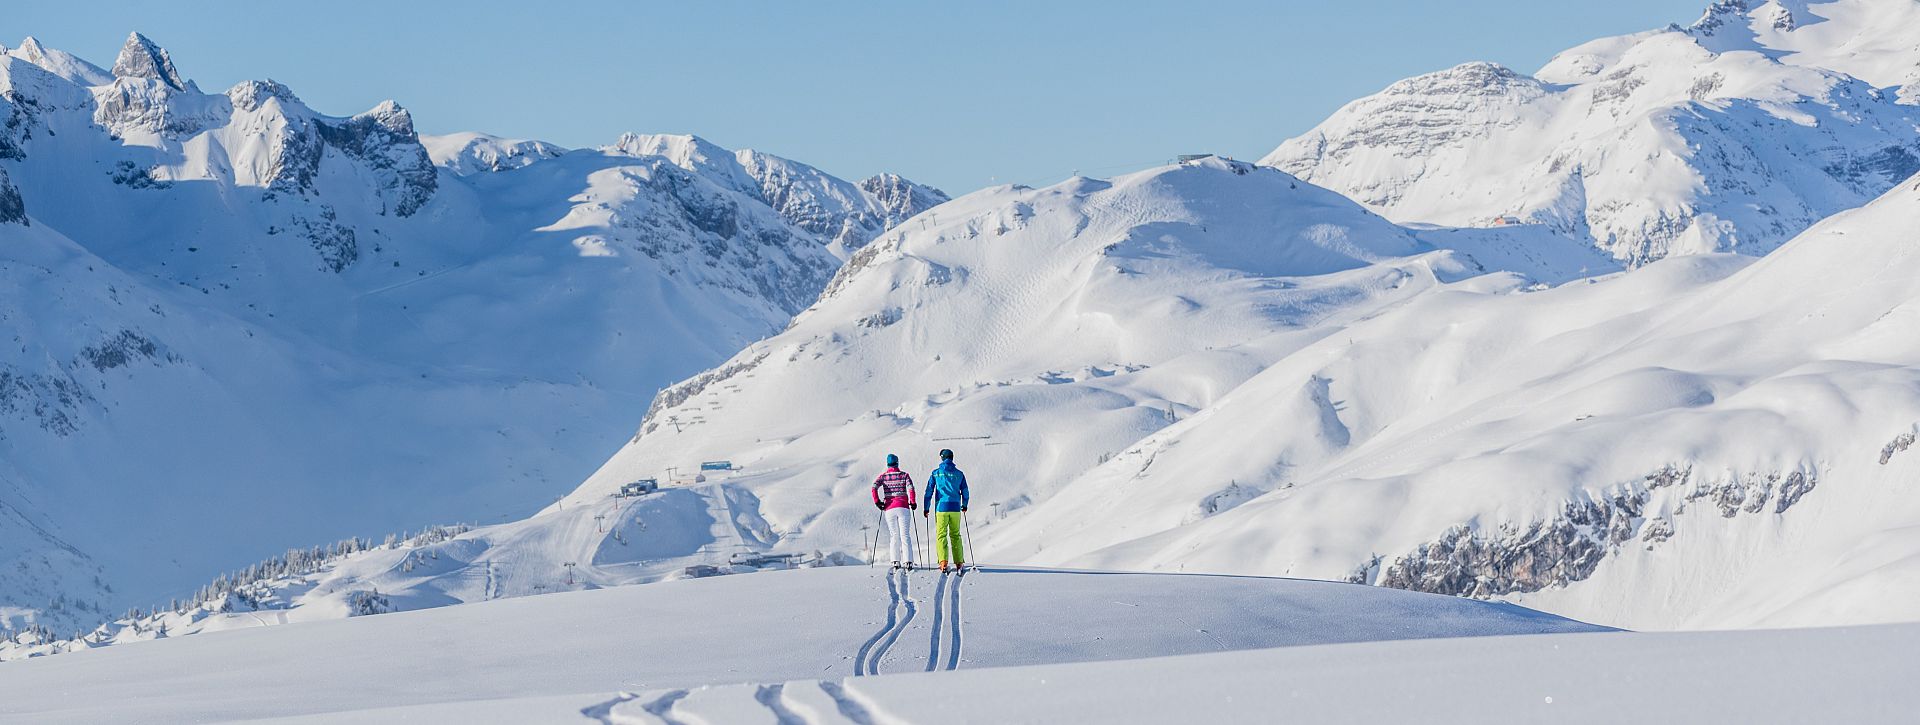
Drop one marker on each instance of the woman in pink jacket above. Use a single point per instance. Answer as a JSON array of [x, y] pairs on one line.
[[893, 494]]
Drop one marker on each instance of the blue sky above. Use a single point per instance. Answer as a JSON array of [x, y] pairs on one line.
[[958, 94]]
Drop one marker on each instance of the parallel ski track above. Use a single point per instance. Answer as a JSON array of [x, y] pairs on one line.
[[905, 598], [899, 597], [933, 641], [953, 650], [946, 608]]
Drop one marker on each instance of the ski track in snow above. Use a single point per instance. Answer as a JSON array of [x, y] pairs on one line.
[[848, 706], [864, 659], [933, 639], [946, 608], [769, 696], [661, 707], [904, 596], [953, 651], [603, 712]]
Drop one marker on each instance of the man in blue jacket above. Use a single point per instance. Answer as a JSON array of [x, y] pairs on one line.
[[946, 498]]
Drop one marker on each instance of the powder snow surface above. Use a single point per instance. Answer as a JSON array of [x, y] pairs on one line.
[[770, 627]]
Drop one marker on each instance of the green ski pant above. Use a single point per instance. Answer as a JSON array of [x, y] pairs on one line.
[[946, 537]]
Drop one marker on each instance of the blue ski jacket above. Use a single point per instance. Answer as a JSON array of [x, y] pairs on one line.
[[946, 488]]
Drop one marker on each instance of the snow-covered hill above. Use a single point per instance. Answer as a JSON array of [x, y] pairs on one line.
[[1730, 135], [239, 325], [842, 624], [856, 645]]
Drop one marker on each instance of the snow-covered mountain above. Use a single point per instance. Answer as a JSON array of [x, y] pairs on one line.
[[1027, 327], [1877, 41], [1732, 134], [470, 152], [1217, 367], [846, 214], [1149, 374], [240, 325], [1701, 443], [1208, 366]]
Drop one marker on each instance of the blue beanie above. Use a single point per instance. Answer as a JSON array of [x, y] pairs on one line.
[[893, 460]]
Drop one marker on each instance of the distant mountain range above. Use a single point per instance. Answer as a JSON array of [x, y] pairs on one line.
[[241, 325], [1730, 135], [1478, 334]]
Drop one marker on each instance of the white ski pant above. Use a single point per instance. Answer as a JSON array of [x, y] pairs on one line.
[[900, 525]]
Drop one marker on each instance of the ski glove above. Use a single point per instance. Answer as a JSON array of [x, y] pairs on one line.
[[912, 506], [880, 505]]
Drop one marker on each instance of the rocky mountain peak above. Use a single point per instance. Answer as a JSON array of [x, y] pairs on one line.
[[1477, 78], [900, 197], [251, 95], [142, 58], [31, 50]]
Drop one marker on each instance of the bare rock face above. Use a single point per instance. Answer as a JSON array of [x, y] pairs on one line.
[[12, 209], [385, 141], [1470, 561], [148, 94], [1898, 445], [142, 58], [899, 198]]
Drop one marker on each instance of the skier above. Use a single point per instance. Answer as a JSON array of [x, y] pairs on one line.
[[893, 495], [947, 493]]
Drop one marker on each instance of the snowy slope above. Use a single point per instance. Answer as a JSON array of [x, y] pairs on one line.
[[835, 623], [1033, 646], [1680, 141], [1039, 330], [1877, 41], [1701, 443], [1706, 442], [1072, 286], [1217, 367], [289, 327]]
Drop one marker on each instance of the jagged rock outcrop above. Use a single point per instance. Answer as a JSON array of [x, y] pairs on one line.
[[140, 57], [900, 198], [682, 391], [148, 95], [844, 215], [1898, 445], [12, 209], [385, 141], [1476, 561], [296, 139]]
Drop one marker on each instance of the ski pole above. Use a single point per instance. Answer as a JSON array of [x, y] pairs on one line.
[[969, 527]]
